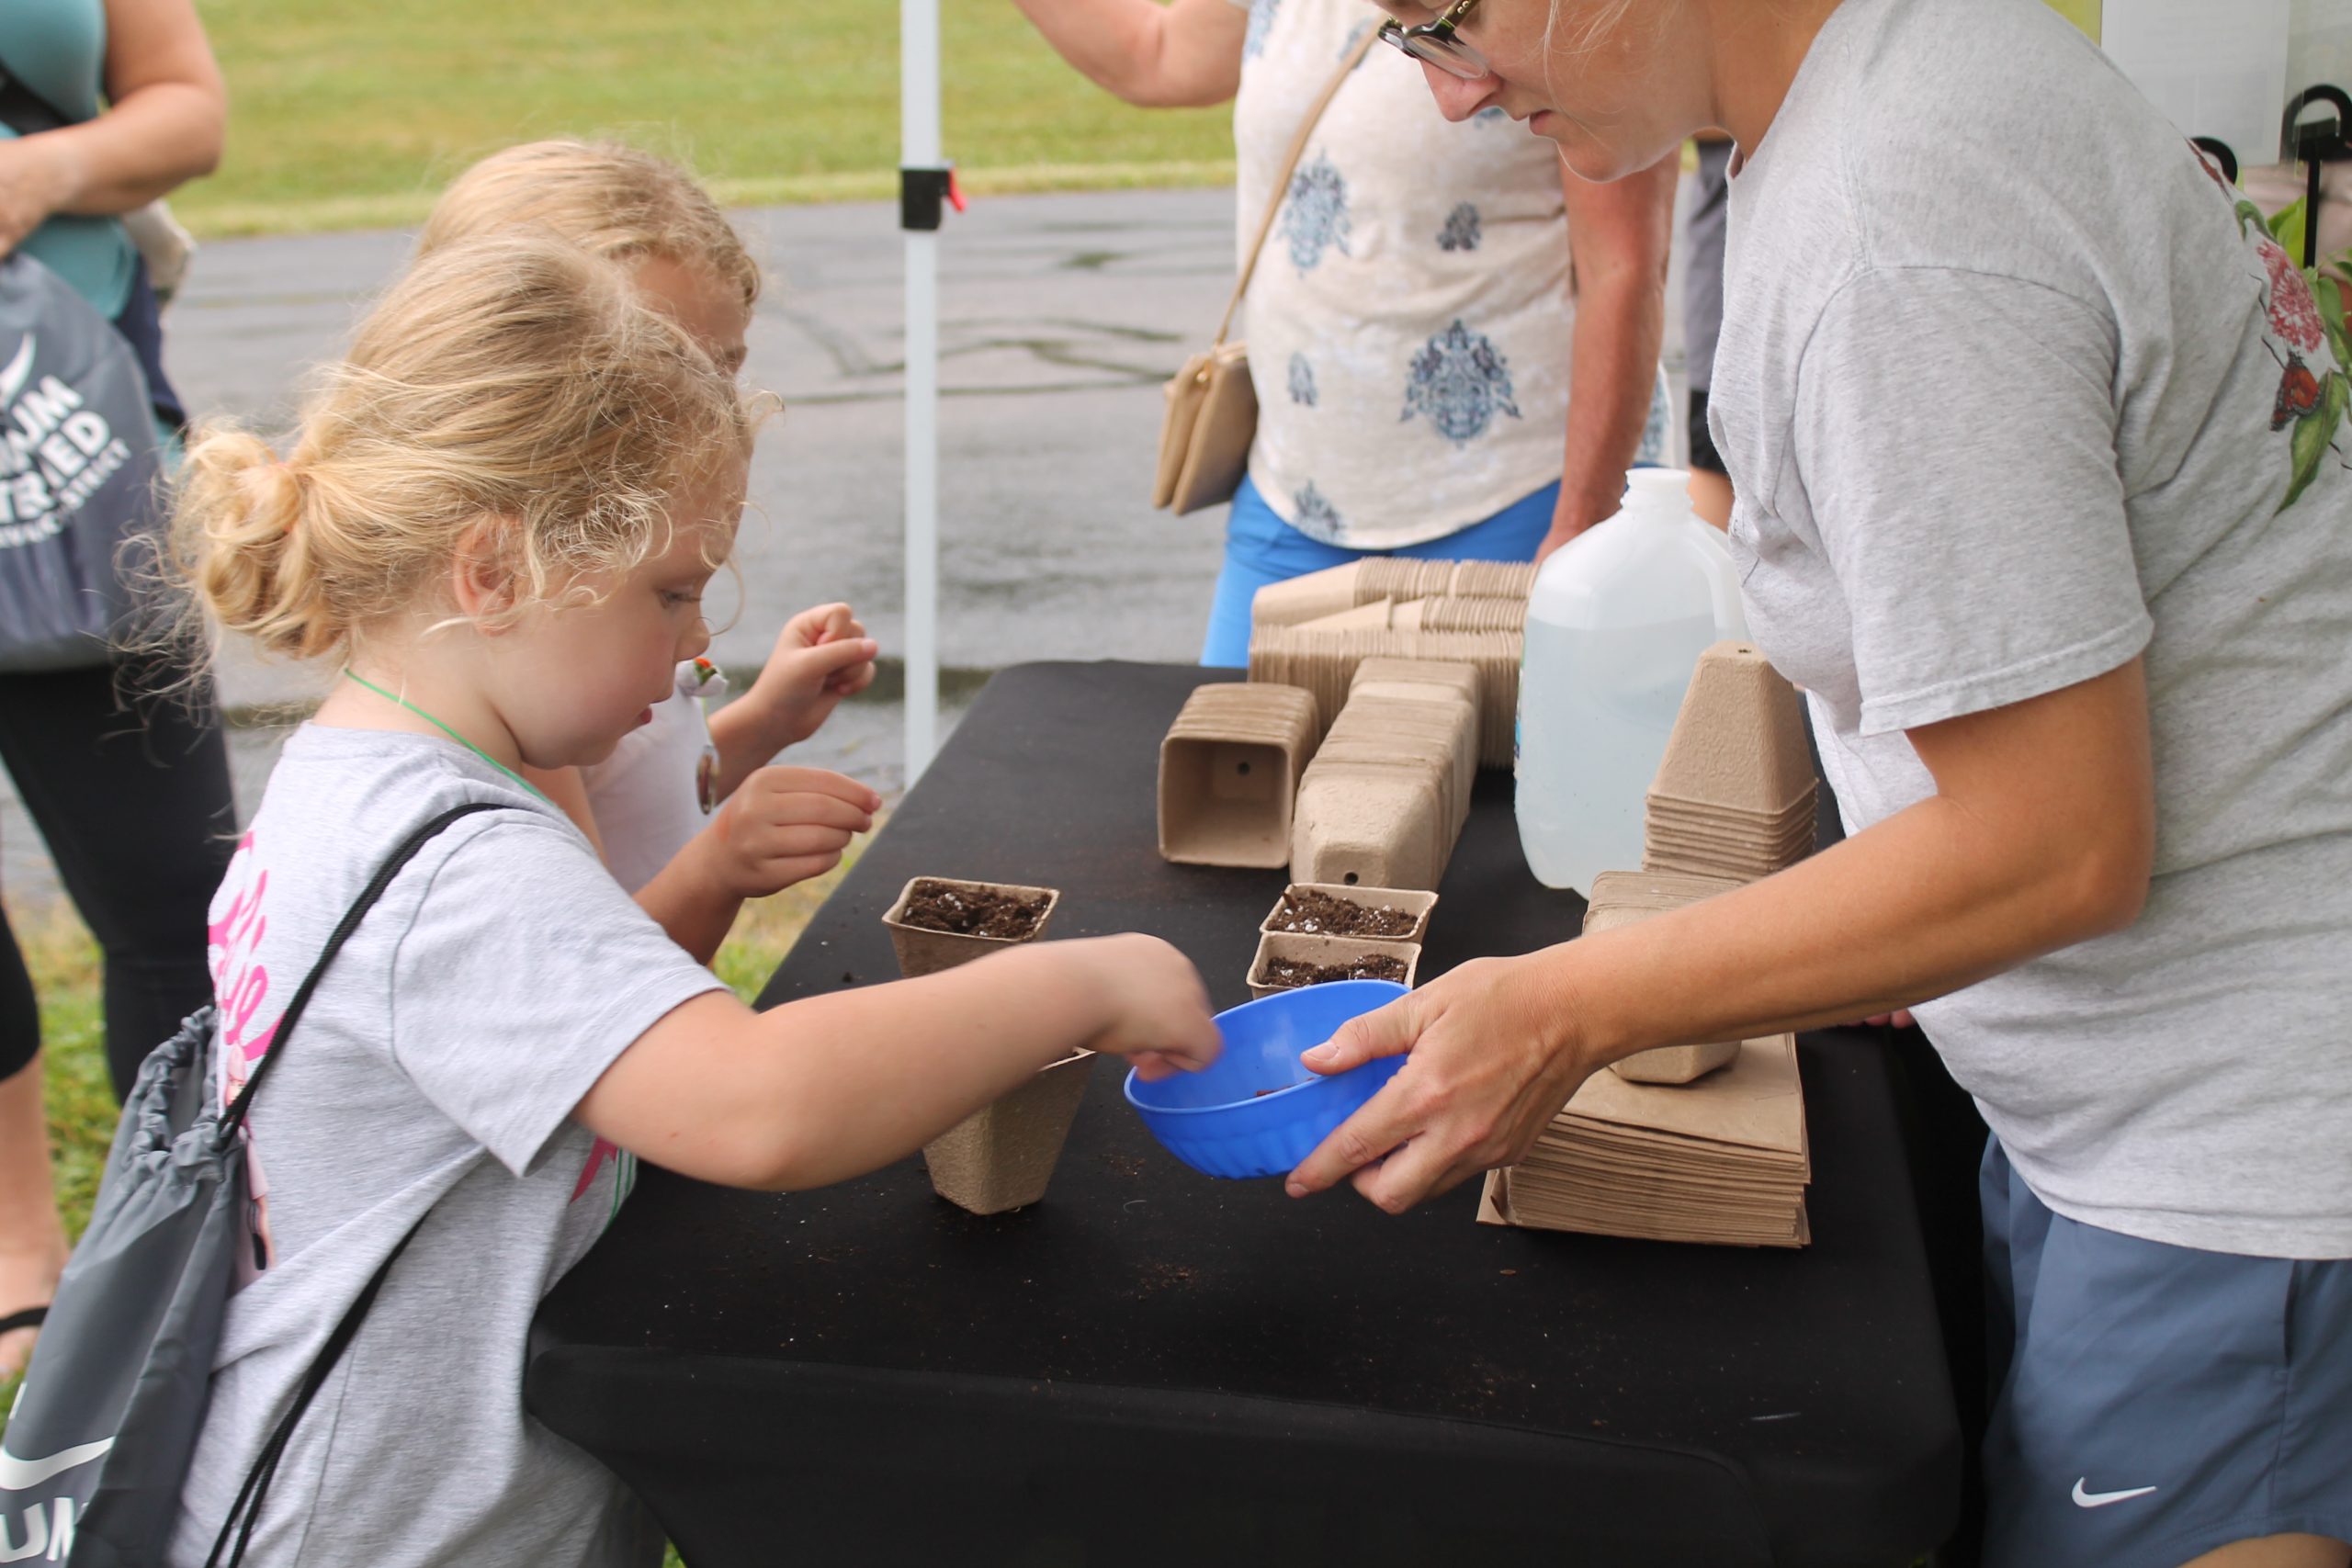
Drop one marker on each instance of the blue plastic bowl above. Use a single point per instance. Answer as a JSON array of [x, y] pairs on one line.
[[1221, 1120]]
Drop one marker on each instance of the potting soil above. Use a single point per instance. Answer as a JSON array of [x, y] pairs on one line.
[[939, 906], [1323, 914], [1289, 974]]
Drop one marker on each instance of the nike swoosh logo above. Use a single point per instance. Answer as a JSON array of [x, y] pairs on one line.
[[2101, 1499], [16, 1474], [12, 379]]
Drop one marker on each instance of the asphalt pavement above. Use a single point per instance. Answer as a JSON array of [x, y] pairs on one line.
[[1061, 316]]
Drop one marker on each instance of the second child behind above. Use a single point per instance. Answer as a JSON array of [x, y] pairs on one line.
[[499, 514], [649, 808]]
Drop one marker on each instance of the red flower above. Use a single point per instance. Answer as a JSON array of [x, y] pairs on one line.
[[2294, 315]]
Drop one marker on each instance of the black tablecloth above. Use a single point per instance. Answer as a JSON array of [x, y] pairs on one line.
[[1149, 1366]]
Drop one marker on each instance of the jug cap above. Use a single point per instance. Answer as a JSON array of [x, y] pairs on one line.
[[1662, 493]]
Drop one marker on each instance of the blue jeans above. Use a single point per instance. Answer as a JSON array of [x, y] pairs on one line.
[[1260, 549]]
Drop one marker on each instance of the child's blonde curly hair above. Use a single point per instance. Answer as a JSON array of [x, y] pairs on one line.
[[612, 201], [514, 378]]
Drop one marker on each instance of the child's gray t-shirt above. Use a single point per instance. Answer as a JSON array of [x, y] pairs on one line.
[[433, 1075], [2011, 392]]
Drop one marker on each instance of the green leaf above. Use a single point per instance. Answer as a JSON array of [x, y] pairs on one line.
[[2249, 213], [2314, 432], [2330, 295], [2286, 227]]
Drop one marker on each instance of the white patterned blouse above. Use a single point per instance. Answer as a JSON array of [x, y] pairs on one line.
[[1408, 325]]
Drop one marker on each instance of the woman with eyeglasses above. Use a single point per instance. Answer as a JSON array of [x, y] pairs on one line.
[[1412, 337], [2040, 463]]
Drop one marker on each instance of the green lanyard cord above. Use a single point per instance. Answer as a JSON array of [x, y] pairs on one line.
[[445, 729]]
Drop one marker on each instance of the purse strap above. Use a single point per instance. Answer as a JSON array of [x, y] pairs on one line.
[[1281, 181]]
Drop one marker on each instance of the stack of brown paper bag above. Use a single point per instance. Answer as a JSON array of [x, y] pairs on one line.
[[1686, 1142], [1735, 793], [1722, 1160]]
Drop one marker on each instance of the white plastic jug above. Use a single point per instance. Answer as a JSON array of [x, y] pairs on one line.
[[1615, 623]]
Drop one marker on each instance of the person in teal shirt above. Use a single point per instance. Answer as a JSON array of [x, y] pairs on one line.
[[104, 106]]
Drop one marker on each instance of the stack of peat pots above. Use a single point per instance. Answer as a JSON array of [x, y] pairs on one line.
[[1626, 897], [1313, 631], [1002, 1155], [1319, 594], [1384, 798], [1381, 803], [1734, 793], [1229, 771], [1701, 1143]]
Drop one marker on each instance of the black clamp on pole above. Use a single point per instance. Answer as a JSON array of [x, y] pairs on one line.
[[2321, 141], [2219, 150], [923, 194]]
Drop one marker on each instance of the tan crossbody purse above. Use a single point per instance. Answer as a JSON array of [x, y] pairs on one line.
[[1212, 410]]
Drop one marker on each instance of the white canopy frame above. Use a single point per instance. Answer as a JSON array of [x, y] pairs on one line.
[[923, 189]]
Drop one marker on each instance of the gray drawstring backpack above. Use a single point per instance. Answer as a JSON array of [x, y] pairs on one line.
[[79, 473], [106, 1423]]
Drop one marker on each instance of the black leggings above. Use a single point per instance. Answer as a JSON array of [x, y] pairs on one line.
[[131, 795]]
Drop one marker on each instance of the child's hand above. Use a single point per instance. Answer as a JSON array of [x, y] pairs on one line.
[[1159, 1008], [822, 656], [786, 825]]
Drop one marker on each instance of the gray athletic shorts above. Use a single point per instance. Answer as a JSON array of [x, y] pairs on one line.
[[2156, 1401]]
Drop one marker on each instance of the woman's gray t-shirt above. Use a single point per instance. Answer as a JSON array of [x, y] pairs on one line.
[[433, 1075], [2011, 392]]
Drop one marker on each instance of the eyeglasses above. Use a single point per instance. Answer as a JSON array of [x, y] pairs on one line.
[[1435, 42]]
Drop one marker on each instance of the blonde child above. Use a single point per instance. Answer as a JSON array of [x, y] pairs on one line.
[[498, 515], [648, 806]]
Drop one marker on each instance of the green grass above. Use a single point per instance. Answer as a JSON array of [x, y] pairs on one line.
[[346, 114], [80, 1099]]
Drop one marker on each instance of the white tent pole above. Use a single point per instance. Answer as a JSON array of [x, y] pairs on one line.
[[918, 150]]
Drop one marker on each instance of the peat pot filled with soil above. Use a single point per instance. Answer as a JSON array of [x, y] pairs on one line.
[[1286, 961], [1002, 1154], [939, 922], [1317, 909]]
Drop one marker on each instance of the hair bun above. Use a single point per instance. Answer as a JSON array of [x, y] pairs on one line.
[[247, 506]]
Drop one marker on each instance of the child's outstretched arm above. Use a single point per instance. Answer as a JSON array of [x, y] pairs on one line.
[[822, 656], [786, 825], [827, 1088]]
